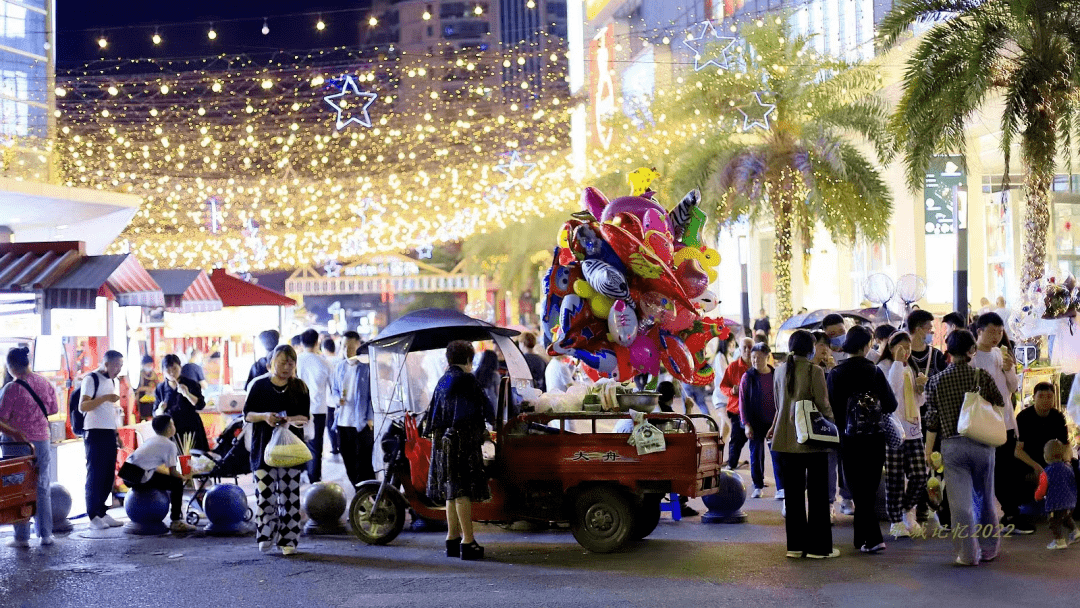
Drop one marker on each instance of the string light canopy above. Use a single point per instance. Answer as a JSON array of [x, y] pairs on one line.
[[293, 190]]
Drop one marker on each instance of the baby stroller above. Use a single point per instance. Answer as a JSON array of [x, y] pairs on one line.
[[231, 460]]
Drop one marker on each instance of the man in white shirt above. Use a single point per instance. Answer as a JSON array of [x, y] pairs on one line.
[[351, 388], [156, 458], [329, 351], [313, 369], [99, 396], [1001, 366]]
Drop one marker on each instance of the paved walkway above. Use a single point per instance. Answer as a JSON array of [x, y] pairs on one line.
[[683, 563]]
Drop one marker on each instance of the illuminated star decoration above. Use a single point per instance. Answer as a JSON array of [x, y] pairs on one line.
[[424, 251], [517, 173], [698, 43], [762, 120], [341, 106]]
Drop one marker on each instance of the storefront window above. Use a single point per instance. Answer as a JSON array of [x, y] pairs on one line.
[[999, 243]]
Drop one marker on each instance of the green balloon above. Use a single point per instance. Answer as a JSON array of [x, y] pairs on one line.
[[692, 234]]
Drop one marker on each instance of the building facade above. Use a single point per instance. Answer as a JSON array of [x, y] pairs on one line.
[[27, 102]]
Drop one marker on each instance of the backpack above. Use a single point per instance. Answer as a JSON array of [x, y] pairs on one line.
[[75, 415], [863, 415]]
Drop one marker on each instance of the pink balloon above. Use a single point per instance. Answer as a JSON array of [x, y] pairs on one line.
[[637, 205], [622, 324], [644, 356], [654, 220], [684, 319]]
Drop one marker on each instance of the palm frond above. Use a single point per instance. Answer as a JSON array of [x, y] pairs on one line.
[[912, 12]]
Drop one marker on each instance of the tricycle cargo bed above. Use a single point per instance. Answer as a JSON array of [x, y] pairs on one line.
[[532, 451]]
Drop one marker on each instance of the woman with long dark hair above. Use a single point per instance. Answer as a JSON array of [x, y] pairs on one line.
[[804, 468], [905, 468], [855, 382], [455, 422], [487, 374]]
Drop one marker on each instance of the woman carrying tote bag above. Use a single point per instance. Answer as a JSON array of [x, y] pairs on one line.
[[969, 464], [803, 467]]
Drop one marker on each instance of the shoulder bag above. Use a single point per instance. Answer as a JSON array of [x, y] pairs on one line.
[[37, 400], [981, 421], [812, 428]]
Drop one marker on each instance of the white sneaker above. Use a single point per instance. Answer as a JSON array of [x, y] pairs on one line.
[[18, 544], [265, 546], [98, 524], [783, 510], [779, 495], [287, 550], [112, 523], [47, 540], [899, 530], [1058, 544], [756, 493], [847, 506]]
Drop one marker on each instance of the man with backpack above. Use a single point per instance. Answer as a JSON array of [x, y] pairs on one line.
[[25, 407], [99, 396]]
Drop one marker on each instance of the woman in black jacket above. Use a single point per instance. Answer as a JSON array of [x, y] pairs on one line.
[[181, 398], [862, 454]]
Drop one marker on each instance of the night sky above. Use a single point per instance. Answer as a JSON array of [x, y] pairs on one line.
[[129, 24]]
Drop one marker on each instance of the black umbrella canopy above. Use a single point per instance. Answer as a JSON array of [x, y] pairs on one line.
[[434, 328]]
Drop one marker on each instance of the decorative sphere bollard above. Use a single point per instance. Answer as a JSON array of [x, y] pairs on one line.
[[324, 503], [725, 506], [61, 508], [146, 508], [226, 507]]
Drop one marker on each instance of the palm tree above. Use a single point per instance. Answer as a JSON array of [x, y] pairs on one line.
[[804, 168], [1025, 51]]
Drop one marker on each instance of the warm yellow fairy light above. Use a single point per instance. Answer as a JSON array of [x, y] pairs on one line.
[[102, 42], [373, 21], [113, 90], [156, 38], [211, 34], [320, 25]]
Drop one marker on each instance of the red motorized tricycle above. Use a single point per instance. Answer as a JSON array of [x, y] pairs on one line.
[[592, 479]]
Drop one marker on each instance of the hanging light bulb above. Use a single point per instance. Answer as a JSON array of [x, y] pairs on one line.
[[427, 16], [478, 10], [156, 38], [373, 21], [265, 27], [320, 25], [211, 34], [102, 42]]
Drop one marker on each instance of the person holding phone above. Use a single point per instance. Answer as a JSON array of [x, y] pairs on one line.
[[181, 398], [100, 398]]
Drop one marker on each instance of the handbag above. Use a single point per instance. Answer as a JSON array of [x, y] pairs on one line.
[[981, 421], [812, 427], [894, 431]]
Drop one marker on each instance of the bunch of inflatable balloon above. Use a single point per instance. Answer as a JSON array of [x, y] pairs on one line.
[[628, 287]]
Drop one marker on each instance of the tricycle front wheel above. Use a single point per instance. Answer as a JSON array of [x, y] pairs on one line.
[[603, 520], [377, 524]]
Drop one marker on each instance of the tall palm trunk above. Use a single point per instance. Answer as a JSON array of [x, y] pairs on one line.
[[782, 263], [1038, 183]]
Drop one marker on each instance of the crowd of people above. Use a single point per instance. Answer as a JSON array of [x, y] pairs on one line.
[[319, 388], [901, 374]]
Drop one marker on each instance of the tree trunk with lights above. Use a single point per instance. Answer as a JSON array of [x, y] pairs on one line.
[[1040, 179]]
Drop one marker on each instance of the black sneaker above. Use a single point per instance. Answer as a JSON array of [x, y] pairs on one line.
[[686, 511]]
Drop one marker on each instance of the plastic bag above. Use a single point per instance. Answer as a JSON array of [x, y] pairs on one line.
[[285, 449], [646, 437]]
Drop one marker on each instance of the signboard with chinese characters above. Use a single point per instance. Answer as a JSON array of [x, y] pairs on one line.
[[943, 191]]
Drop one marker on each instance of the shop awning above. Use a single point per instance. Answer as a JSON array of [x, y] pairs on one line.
[[120, 277], [187, 290], [235, 291], [29, 267]]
